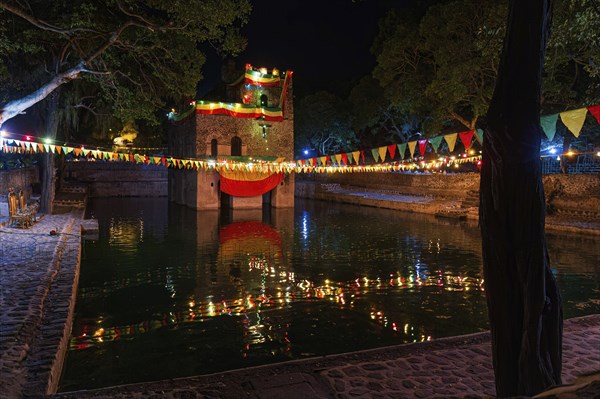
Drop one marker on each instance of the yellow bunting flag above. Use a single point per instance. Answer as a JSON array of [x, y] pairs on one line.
[[58, 149], [411, 147], [40, 147], [156, 160], [574, 119], [451, 140], [323, 160], [382, 151], [355, 155], [338, 158]]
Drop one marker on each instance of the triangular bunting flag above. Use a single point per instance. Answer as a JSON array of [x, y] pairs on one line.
[[595, 110], [355, 155], [392, 150], [323, 160], [156, 160], [362, 155], [411, 147], [338, 158], [77, 151], [313, 161], [58, 149], [451, 140], [435, 142], [479, 135], [47, 147], [574, 119], [345, 158], [382, 151], [423, 147], [349, 158], [402, 150], [466, 138], [548, 123], [40, 147], [375, 153]]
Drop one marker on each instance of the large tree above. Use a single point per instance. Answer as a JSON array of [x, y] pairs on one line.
[[443, 64], [323, 124], [524, 302], [137, 54]]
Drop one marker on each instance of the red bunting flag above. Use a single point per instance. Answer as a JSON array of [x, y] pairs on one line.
[[392, 150], [595, 110], [328, 159], [362, 155], [423, 147], [466, 138], [345, 158]]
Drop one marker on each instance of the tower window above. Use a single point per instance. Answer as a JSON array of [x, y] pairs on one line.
[[214, 148], [264, 100], [236, 146]]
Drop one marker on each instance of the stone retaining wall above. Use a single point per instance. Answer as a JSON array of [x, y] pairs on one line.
[[118, 179], [449, 186], [573, 195]]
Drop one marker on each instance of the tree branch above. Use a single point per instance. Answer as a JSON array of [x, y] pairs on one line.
[[40, 23], [13, 108]]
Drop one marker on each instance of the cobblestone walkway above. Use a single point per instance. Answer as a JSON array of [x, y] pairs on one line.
[[30, 261], [457, 367]]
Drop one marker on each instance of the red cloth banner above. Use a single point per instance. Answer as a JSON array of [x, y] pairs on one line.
[[466, 138], [595, 110], [422, 147], [345, 158], [392, 150], [250, 188]]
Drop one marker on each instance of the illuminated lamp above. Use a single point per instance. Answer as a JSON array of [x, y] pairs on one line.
[[3, 133], [570, 153], [275, 72], [47, 141], [263, 71], [28, 138]]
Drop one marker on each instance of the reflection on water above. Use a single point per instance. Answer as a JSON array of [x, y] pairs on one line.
[[167, 291]]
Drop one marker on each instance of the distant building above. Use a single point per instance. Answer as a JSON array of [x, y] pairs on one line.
[[254, 121]]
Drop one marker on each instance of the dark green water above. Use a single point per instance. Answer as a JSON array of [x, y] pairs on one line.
[[169, 292]]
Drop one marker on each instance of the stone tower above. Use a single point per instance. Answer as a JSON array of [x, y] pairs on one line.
[[255, 122]]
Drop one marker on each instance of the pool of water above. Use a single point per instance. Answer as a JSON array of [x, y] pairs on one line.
[[168, 292]]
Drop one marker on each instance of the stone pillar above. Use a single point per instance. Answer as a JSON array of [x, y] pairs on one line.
[[207, 190], [282, 196]]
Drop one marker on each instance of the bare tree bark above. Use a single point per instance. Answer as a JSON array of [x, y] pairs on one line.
[[523, 300]]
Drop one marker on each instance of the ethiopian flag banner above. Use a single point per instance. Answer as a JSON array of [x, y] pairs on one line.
[[248, 184]]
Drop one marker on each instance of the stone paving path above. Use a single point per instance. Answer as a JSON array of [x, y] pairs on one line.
[[457, 367], [30, 263]]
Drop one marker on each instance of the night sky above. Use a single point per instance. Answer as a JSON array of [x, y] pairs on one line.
[[326, 43]]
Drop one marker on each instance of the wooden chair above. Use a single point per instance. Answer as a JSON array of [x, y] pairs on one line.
[[27, 209], [16, 217]]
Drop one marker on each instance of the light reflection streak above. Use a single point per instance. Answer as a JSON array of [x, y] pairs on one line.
[[250, 307]]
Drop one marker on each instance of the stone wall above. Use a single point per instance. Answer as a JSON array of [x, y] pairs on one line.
[[19, 179], [575, 195], [119, 179], [449, 186]]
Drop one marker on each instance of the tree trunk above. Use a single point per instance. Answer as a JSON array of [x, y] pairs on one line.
[[48, 163], [564, 159], [524, 303]]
